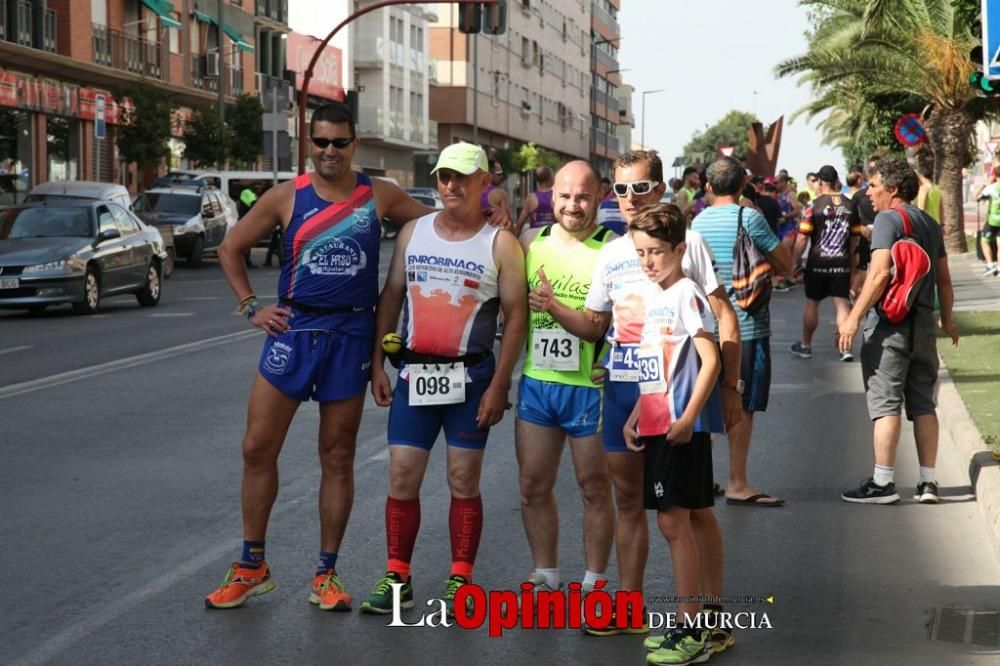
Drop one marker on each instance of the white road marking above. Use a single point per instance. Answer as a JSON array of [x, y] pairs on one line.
[[170, 315], [161, 583], [121, 364], [11, 350]]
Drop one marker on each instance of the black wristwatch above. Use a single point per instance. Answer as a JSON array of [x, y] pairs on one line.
[[251, 309]]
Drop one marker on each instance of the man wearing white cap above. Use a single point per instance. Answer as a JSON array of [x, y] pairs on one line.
[[453, 272]]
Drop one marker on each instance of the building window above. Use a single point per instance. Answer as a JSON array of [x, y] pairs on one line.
[[175, 35], [64, 148], [525, 51], [15, 150]]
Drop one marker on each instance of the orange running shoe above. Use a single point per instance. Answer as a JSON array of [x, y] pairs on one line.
[[240, 584], [328, 592]]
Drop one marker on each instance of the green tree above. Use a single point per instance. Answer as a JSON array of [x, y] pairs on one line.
[[529, 157], [246, 130], [913, 51], [144, 130], [731, 130], [206, 139]]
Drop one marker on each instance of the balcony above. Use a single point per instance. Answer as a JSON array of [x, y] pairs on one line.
[[16, 25], [22, 29], [605, 17], [273, 9], [113, 48], [200, 79]]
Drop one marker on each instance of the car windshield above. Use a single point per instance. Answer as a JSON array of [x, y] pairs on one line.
[[46, 222], [165, 202], [56, 198]]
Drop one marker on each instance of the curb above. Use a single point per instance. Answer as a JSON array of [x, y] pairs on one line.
[[984, 471]]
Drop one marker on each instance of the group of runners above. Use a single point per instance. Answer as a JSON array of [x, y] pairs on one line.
[[635, 355]]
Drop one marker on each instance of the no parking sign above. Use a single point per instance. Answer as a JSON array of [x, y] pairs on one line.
[[910, 130]]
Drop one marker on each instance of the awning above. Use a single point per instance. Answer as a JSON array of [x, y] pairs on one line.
[[163, 9], [226, 28]]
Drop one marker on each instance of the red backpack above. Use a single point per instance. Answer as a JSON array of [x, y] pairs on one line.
[[910, 265]]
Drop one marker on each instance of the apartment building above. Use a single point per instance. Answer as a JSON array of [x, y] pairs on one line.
[[626, 117], [58, 57], [531, 84], [606, 113]]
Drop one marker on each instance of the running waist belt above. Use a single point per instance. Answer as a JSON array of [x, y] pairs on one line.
[[309, 309], [468, 359]]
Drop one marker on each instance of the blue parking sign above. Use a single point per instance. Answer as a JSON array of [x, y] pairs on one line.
[[99, 124], [991, 39]]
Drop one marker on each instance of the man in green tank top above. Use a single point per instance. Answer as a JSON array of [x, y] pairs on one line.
[[687, 193], [558, 397]]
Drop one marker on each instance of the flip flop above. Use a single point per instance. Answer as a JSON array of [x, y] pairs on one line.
[[753, 500], [718, 490]]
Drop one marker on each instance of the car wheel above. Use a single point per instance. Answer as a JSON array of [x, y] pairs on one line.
[[91, 294], [149, 295], [168, 265], [197, 251]]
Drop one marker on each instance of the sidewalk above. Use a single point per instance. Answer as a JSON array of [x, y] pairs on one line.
[[973, 292]]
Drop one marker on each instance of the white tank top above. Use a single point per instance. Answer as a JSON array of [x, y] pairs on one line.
[[452, 296]]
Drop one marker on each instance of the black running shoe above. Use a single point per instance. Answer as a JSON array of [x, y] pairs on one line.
[[871, 493], [927, 493]]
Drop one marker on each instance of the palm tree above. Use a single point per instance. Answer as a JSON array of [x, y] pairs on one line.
[[916, 52]]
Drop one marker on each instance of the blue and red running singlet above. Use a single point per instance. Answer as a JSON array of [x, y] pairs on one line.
[[331, 257]]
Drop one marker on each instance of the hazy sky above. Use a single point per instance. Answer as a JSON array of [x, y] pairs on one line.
[[710, 56]]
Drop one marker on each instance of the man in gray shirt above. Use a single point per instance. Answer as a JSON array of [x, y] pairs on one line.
[[899, 362]]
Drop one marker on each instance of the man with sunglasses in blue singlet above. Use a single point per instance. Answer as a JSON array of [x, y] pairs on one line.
[[319, 344]]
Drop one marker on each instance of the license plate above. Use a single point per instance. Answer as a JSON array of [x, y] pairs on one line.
[[10, 283]]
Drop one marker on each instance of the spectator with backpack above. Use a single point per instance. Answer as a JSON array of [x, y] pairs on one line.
[[746, 253], [899, 354]]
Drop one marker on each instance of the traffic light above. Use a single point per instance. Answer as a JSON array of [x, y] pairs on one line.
[[490, 18], [470, 18], [978, 79], [495, 18]]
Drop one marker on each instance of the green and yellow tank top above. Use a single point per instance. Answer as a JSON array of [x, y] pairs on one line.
[[554, 355]]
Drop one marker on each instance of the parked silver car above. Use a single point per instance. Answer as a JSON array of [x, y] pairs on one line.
[[60, 191], [77, 253]]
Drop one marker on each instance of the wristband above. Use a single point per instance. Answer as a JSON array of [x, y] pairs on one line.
[[242, 306]]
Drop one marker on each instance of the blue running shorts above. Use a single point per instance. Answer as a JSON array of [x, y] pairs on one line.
[[619, 401], [321, 365], [575, 409], [419, 426]]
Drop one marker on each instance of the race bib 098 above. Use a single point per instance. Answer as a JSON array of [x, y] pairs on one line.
[[436, 385]]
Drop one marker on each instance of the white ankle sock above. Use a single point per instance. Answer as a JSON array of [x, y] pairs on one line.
[[550, 577], [590, 578], [927, 475], [883, 475]]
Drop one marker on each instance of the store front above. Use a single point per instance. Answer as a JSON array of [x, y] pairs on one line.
[[47, 132]]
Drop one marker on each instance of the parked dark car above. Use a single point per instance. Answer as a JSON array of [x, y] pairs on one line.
[[197, 217], [77, 253]]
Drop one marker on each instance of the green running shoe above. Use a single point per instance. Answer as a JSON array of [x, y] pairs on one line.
[[680, 649], [380, 600], [450, 590]]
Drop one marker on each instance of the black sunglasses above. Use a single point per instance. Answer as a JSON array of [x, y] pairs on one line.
[[322, 142]]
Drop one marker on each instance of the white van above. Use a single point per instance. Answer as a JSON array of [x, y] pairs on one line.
[[230, 182]]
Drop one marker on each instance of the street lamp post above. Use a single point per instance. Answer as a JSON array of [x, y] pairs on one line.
[[642, 134], [307, 76]]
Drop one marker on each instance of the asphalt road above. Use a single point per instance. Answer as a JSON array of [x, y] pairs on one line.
[[119, 491]]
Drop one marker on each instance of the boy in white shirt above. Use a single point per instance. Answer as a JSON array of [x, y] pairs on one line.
[[679, 406]]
